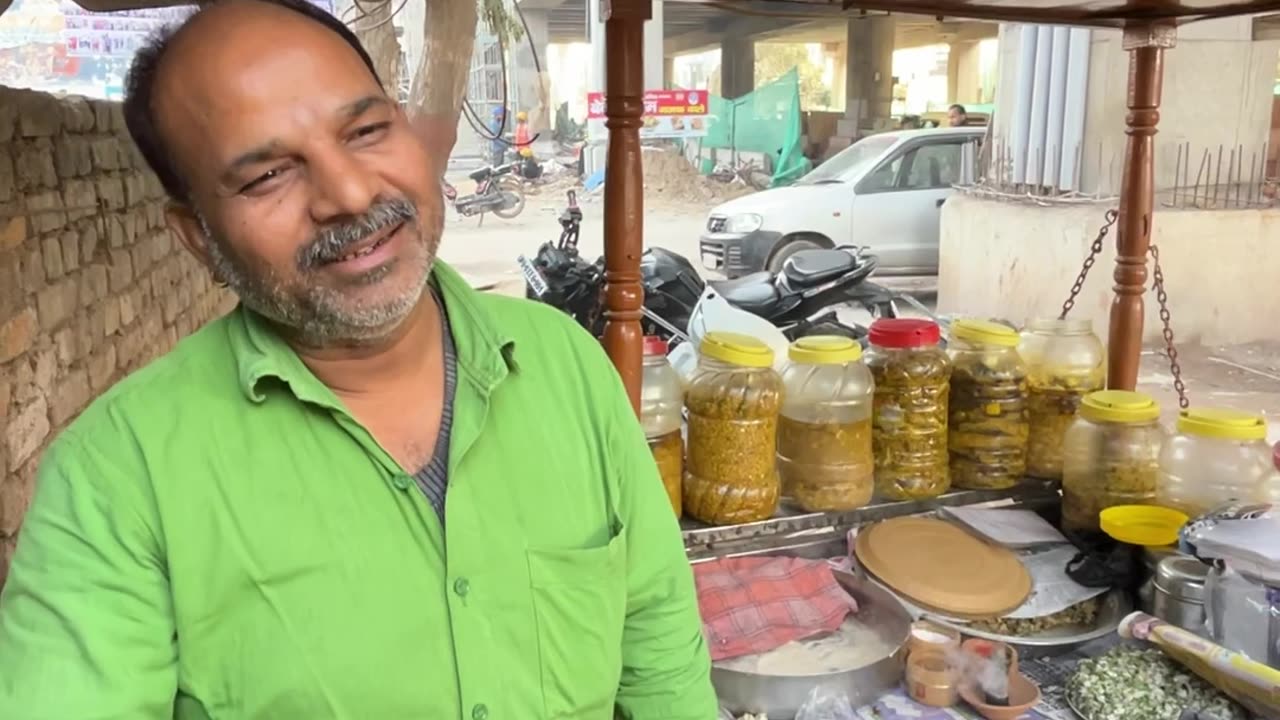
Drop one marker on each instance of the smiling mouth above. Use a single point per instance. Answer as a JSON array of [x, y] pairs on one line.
[[367, 249]]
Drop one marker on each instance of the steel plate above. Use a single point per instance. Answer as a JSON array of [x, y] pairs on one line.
[[1114, 606]]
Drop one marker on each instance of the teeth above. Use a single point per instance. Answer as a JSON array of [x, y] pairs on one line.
[[361, 253]]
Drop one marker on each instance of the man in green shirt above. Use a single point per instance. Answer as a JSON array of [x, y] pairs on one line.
[[369, 492]]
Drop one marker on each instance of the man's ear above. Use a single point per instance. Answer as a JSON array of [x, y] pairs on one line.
[[182, 221]]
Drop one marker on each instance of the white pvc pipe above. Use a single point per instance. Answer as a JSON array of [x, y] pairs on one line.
[[1057, 99], [1021, 126], [1076, 95], [1039, 105]]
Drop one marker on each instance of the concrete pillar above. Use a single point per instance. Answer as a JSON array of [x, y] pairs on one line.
[[595, 153], [654, 51], [737, 65], [869, 70], [964, 83], [533, 85], [668, 72]]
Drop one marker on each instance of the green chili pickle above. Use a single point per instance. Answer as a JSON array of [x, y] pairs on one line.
[[987, 419], [1111, 456], [1065, 361], [909, 414]]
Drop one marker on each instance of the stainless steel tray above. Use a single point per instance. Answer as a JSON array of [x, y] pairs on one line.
[[780, 697], [1114, 606]]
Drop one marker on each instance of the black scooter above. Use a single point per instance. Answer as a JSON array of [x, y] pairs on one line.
[[800, 301]]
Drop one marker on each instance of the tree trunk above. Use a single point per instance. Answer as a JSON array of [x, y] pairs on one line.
[[440, 84], [371, 21]]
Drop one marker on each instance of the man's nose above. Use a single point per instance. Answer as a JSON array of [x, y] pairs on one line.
[[340, 185]]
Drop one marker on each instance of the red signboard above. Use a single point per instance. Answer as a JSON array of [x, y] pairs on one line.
[[659, 103]]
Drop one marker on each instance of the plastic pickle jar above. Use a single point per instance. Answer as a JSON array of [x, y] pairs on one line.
[[1110, 456], [1065, 361], [661, 415], [1216, 456], [824, 431], [733, 402], [987, 416], [912, 377]]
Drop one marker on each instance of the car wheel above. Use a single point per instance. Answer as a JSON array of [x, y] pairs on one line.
[[786, 250]]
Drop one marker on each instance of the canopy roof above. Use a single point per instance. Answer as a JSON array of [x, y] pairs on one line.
[[1114, 13]]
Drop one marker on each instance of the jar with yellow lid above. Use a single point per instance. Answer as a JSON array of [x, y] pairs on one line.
[[987, 419], [824, 432], [1110, 456], [1216, 456], [733, 400], [662, 416], [1065, 361]]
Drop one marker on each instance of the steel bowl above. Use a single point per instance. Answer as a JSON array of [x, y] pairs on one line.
[[1114, 606], [781, 697]]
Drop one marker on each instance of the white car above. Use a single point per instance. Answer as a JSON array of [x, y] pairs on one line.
[[884, 192]]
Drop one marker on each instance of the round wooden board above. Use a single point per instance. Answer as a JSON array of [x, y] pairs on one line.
[[939, 566]]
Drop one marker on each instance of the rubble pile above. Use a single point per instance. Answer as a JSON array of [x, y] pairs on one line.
[[669, 176]]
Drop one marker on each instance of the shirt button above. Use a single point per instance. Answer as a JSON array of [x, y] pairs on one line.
[[462, 587], [479, 712], [402, 482]]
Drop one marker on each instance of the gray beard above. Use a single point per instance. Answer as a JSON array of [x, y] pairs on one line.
[[317, 315]]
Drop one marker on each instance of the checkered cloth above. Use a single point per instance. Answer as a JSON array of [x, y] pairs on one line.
[[751, 605]]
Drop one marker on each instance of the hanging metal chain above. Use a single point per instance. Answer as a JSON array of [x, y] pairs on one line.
[[1157, 284], [1110, 217]]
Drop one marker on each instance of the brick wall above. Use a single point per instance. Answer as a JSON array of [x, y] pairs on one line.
[[92, 285]]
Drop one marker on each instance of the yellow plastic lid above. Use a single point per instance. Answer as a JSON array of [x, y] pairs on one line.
[[1222, 424], [1119, 406], [737, 349], [985, 332], [1146, 525], [824, 350]]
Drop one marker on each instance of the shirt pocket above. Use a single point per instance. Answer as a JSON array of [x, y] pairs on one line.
[[580, 606]]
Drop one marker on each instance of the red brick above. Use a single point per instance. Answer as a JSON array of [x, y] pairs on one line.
[[102, 368], [13, 233], [70, 396]]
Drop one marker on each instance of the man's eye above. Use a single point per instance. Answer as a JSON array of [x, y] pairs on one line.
[[367, 131], [260, 180]]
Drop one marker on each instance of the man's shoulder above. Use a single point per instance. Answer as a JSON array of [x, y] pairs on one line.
[[532, 323]]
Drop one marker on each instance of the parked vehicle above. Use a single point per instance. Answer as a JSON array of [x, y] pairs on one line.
[[498, 190], [884, 192], [800, 300]]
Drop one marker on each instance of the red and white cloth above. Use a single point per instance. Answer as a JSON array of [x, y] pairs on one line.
[[751, 605]]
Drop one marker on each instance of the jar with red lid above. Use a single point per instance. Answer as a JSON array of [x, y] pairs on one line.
[[661, 415], [909, 417]]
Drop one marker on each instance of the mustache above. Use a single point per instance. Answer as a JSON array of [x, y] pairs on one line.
[[334, 241]]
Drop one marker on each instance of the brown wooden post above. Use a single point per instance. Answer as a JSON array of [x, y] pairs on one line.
[[624, 187], [1146, 44]]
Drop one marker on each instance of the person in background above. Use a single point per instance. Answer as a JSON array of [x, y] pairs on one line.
[[522, 138], [956, 116], [370, 492], [498, 145]]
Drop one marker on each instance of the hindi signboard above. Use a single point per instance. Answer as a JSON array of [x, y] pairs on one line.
[[667, 114]]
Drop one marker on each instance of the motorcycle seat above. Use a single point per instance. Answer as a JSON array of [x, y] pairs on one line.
[[811, 267], [481, 174], [753, 293]]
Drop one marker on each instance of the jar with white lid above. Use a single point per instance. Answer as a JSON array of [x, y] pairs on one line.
[[661, 415], [1065, 361], [824, 431], [1110, 456], [1216, 456]]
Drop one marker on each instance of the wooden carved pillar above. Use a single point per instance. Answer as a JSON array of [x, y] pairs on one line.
[[624, 187], [1146, 45]]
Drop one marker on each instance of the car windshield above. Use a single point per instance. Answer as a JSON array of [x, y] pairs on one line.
[[851, 161]]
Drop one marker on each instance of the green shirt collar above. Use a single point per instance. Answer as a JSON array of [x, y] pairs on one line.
[[485, 351]]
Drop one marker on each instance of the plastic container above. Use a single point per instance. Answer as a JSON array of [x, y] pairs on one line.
[[988, 417], [661, 414], [1110, 456], [1216, 456], [824, 432], [733, 400], [1065, 361], [909, 418]]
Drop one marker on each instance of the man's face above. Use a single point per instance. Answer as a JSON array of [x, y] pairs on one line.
[[955, 118], [311, 197]]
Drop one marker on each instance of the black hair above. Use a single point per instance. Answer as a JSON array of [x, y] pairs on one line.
[[139, 108], [959, 108]]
